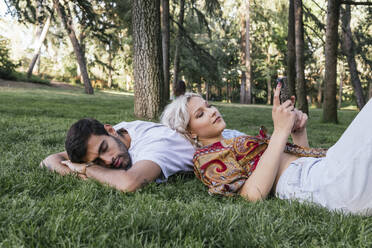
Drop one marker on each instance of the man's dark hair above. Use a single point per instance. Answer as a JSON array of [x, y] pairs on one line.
[[180, 88], [78, 135]]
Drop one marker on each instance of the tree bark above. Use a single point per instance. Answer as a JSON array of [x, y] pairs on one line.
[[340, 89], [165, 45], [300, 59], [38, 47], [67, 23], [268, 80], [109, 82], [178, 45], [291, 46], [248, 73], [330, 75], [206, 90], [242, 87], [348, 50], [147, 58]]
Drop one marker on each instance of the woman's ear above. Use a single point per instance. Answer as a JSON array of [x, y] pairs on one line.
[[193, 135], [110, 130]]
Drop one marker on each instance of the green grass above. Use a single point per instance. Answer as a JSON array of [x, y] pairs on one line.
[[43, 209]]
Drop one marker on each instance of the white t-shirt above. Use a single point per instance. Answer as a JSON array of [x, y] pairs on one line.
[[160, 144]]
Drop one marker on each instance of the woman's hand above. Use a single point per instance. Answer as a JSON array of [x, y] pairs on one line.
[[301, 121], [283, 115]]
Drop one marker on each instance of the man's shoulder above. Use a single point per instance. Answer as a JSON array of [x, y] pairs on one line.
[[136, 124]]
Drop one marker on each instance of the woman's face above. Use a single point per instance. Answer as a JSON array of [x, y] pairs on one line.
[[206, 121]]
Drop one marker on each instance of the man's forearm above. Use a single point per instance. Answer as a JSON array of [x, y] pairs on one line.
[[53, 163], [119, 179], [141, 173]]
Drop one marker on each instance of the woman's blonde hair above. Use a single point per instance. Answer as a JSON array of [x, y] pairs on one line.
[[176, 116]]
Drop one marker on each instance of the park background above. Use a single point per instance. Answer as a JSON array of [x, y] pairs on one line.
[[119, 60]]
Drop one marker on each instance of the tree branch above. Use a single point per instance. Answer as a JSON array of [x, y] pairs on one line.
[[356, 3]]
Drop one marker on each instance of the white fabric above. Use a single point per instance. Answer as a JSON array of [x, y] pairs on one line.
[[343, 179], [160, 144], [229, 133]]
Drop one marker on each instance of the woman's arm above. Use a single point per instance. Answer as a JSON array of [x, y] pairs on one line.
[[259, 184]]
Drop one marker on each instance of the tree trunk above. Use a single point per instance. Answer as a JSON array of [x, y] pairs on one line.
[[340, 89], [67, 23], [330, 75], [291, 56], [147, 58], [248, 79], [268, 79], [300, 59], [320, 93], [109, 82], [242, 88], [178, 46], [206, 90], [370, 90], [38, 47], [348, 50], [165, 45]]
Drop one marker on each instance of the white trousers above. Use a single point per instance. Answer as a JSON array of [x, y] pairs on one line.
[[343, 179]]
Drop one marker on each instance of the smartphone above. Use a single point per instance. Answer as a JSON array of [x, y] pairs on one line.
[[284, 91]]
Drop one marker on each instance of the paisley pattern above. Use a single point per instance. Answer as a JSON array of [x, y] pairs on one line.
[[225, 165]]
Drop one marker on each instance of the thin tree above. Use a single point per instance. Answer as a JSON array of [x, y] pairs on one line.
[[147, 58], [165, 45], [177, 42], [349, 51], [330, 75], [246, 81], [291, 48], [38, 46], [67, 23], [248, 73], [300, 59]]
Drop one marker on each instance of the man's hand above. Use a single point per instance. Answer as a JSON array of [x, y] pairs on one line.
[[80, 169], [75, 167]]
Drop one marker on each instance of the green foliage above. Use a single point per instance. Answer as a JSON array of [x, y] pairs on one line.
[[43, 209], [21, 76], [7, 67]]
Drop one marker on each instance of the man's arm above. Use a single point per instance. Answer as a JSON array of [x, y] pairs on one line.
[[53, 163], [141, 173]]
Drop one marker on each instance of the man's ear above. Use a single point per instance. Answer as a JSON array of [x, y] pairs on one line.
[[110, 130]]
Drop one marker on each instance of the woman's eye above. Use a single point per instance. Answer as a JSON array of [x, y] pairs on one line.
[[200, 114]]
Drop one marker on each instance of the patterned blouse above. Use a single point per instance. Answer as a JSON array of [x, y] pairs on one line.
[[225, 165]]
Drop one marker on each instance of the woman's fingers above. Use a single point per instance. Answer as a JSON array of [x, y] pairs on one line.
[[276, 101]]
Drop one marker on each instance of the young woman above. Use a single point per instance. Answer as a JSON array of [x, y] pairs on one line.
[[255, 166]]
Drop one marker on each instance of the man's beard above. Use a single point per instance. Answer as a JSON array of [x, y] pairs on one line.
[[124, 154]]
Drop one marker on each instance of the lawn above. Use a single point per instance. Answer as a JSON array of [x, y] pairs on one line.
[[43, 209]]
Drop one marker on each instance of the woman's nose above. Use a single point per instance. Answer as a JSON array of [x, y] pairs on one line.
[[212, 112]]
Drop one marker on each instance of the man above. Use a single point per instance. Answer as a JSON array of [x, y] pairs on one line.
[[125, 156]]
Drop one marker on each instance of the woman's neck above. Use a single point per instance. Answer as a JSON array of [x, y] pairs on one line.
[[209, 141]]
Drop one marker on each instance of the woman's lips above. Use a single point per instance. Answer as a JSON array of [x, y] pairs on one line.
[[217, 119]]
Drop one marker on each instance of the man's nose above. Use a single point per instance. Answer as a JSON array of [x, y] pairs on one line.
[[107, 159]]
